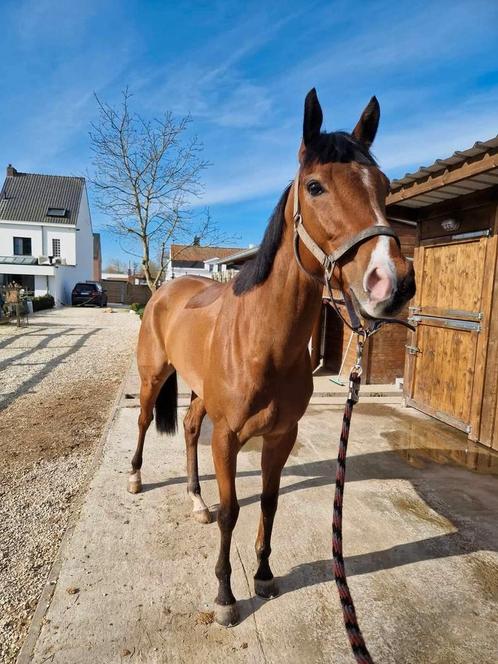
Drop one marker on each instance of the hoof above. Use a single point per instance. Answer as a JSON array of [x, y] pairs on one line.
[[135, 482], [266, 589], [202, 516], [228, 616]]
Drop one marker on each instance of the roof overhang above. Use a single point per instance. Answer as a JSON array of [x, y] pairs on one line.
[[20, 268], [463, 173], [240, 255]]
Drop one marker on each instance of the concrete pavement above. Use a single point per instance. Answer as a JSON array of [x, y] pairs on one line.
[[135, 580]]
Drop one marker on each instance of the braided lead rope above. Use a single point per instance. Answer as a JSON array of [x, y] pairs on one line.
[[360, 651]]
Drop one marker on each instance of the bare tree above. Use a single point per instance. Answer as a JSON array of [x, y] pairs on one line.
[[115, 265], [146, 175]]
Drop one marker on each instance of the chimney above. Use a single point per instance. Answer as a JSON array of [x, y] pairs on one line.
[[11, 170]]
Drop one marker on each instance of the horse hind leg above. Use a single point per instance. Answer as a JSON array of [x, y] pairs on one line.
[[150, 389], [192, 427]]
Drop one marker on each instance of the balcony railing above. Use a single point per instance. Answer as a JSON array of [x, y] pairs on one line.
[[227, 275]]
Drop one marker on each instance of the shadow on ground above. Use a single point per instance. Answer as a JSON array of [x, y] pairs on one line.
[[29, 383]]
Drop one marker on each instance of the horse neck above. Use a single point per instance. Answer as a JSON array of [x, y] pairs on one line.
[[288, 303]]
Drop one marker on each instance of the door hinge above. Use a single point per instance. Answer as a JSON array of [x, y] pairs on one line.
[[412, 350]]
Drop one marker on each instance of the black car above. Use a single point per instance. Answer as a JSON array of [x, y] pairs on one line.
[[88, 293]]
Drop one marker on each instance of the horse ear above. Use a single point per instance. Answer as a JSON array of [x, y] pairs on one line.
[[313, 117], [365, 130]]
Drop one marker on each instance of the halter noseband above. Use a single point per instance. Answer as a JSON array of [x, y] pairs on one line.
[[329, 261]]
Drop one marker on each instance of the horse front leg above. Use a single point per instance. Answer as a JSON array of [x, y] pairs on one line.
[[225, 447], [276, 450]]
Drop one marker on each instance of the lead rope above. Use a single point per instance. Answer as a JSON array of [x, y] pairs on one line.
[[328, 263], [353, 631]]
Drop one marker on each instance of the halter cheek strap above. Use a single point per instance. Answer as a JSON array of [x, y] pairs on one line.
[[329, 261]]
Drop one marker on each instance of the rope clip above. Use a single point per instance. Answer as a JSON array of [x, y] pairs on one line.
[[357, 368], [354, 390]]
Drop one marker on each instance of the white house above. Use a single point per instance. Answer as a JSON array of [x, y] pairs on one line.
[[231, 264], [46, 238], [195, 259]]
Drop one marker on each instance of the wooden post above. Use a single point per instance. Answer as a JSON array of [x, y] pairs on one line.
[[482, 342]]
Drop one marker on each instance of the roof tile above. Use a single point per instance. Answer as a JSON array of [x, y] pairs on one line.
[[27, 197], [184, 252]]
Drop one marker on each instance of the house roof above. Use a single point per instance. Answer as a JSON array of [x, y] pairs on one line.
[[28, 196], [461, 173], [184, 252], [238, 256]]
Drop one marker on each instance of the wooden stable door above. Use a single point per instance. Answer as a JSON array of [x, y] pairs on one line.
[[446, 355]]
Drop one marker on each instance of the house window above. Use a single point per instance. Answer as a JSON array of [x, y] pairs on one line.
[[22, 246], [56, 212], [56, 247]]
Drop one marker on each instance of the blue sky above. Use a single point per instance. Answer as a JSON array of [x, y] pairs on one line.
[[242, 69]]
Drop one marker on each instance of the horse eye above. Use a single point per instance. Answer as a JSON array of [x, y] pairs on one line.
[[314, 188]]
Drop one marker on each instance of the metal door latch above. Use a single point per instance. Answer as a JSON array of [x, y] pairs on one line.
[[413, 350]]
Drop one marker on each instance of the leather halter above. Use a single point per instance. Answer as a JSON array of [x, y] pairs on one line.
[[329, 261]]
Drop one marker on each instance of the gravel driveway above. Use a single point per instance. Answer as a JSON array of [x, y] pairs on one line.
[[58, 378]]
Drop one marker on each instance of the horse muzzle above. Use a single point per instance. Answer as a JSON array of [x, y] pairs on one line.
[[385, 293]]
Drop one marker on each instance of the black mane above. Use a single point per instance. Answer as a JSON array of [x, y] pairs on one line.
[[337, 146], [256, 271]]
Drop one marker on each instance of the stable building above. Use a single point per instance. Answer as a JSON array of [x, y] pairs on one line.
[[451, 364]]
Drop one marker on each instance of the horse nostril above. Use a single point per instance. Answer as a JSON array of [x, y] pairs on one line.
[[379, 284]]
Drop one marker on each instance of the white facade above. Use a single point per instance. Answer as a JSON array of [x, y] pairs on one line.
[[173, 272], [41, 236], [73, 242]]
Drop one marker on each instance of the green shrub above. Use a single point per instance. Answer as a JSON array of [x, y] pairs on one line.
[[138, 309], [43, 302]]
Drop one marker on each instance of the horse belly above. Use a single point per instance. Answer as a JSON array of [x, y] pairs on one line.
[[187, 346]]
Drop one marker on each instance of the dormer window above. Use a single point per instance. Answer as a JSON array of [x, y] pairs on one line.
[[56, 212]]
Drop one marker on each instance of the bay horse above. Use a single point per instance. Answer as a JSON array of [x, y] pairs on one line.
[[242, 346]]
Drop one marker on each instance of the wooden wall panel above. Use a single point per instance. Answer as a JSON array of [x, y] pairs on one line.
[[452, 276], [475, 219], [445, 370], [386, 353]]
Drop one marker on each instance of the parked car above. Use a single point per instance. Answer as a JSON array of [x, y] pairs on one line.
[[88, 293]]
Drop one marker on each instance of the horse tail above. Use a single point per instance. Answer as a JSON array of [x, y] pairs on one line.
[[166, 406]]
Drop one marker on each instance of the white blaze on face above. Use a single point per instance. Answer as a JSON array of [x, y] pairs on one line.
[[380, 278]]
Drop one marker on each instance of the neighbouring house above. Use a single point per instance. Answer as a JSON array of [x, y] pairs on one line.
[[224, 269], [46, 238], [115, 276], [195, 259]]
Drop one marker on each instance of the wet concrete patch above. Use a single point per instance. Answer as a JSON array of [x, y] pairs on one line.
[[420, 442], [419, 509]]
